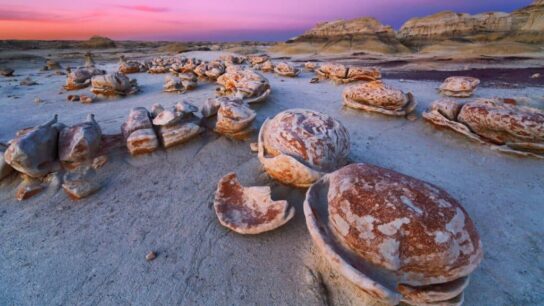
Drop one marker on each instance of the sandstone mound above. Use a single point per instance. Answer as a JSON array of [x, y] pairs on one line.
[[525, 25], [362, 34], [98, 42]]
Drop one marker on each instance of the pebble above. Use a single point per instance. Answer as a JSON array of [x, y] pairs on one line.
[[150, 256], [411, 117]]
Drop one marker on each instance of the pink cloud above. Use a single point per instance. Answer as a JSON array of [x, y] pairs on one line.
[[145, 8]]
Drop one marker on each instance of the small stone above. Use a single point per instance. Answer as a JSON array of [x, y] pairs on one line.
[[73, 98], [535, 76], [142, 141], [27, 82], [99, 161], [314, 80], [86, 99], [156, 109], [411, 117], [5, 169], [28, 188], [38, 100], [7, 72], [151, 256], [254, 147], [80, 183]]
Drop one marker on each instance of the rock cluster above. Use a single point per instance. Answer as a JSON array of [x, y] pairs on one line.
[[42, 153], [143, 130], [508, 128], [81, 77], [126, 66], [523, 25], [246, 84], [347, 74]]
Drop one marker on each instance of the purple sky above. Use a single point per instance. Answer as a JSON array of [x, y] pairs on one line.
[[217, 20]]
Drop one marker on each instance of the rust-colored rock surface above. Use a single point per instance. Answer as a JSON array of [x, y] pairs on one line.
[[508, 128], [395, 237], [378, 97], [298, 146], [249, 210]]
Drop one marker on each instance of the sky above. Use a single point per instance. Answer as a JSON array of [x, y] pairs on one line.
[[210, 20]]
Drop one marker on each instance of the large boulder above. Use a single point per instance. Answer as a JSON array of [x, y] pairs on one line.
[[80, 143], [34, 152]]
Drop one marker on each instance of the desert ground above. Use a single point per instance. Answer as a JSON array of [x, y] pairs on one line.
[[56, 251]]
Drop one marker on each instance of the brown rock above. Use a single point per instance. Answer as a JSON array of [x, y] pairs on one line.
[[298, 146], [347, 74], [5, 169], [138, 118], [142, 141], [508, 128], [34, 152], [73, 98], [402, 233], [285, 69], [86, 99], [249, 210], [380, 98], [151, 256], [178, 134], [139, 133], [79, 143], [234, 117], [459, 86], [28, 188], [80, 183], [116, 84], [99, 161]]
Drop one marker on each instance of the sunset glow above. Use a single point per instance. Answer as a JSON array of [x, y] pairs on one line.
[[208, 19]]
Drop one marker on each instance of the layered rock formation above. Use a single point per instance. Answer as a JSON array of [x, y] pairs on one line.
[[492, 32], [349, 35], [525, 25]]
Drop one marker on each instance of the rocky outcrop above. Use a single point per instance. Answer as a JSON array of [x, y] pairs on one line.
[[524, 25], [522, 29], [351, 35]]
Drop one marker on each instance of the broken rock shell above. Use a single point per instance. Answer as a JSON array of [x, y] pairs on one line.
[[249, 210]]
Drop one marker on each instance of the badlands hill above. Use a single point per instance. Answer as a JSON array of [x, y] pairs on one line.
[[521, 31]]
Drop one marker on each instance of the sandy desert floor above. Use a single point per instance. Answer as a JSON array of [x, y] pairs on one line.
[[55, 251]]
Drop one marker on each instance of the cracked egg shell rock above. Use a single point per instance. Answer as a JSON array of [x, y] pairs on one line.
[[394, 236], [459, 86], [249, 210], [298, 146], [379, 98]]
